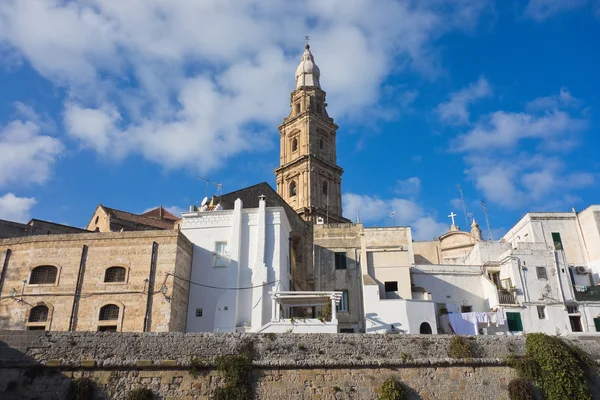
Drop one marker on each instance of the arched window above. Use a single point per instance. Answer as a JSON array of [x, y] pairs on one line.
[[44, 274], [425, 329], [325, 187], [292, 189], [38, 314], [114, 274], [321, 144], [97, 219], [109, 312], [297, 108], [294, 144]]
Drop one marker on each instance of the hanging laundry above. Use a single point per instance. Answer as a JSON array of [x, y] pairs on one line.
[[482, 318], [464, 323]]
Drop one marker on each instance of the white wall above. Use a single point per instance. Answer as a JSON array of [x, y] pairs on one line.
[[406, 316], [455, 285], [257, 245]]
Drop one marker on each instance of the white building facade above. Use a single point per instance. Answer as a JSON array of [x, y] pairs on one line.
[[240, 256]]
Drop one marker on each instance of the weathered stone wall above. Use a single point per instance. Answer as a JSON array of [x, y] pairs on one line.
[[286, 366], [131, 250]]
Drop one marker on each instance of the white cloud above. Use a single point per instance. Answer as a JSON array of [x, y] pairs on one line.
[[409, 187], [15, 208], [190, 83], [376, 211], [540, 10], [516, 159], [503, 130], [27, 155], [455, 111]]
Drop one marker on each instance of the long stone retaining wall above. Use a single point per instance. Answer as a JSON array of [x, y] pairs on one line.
[[286, 366]]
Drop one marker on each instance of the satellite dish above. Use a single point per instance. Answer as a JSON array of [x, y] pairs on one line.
[[204, 201]]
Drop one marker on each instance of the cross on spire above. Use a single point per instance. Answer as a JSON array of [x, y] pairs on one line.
[[452, 215], [306, 39]]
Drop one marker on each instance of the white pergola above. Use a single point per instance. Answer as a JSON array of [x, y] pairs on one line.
[[304, 299]]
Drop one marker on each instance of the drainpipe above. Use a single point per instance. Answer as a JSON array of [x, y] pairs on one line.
[[4, 269], [75, 308], [148, 316]]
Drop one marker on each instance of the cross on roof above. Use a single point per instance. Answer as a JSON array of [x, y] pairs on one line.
[[452, 215], [306, 38]]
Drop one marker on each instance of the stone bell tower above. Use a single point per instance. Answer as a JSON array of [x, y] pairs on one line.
[[308, 177]]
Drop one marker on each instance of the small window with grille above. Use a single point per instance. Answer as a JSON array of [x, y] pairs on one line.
[[109, 312], [38, 314], [43, 275], [541, 272], [115, 274]]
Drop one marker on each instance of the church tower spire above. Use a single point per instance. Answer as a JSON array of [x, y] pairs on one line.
[[308, 177]]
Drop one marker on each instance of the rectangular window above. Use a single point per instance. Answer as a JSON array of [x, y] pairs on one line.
[[541, 312], [597, 324], [391, 290], [466, 309], [220, 254], [346, 330], [541, 272], [107, 328], [557, 241], [343, 306], [340, 260], [198, 312], [36, 328], [572, 310]]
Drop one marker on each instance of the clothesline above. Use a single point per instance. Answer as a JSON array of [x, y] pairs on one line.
[[467, 323]]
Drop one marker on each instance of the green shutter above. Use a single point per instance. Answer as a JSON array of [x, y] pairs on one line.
[[597, 324], [514, 322]]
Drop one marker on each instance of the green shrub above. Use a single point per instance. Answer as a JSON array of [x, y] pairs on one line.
[[81, 389], [393, 389], [326, 312], [520, 389], [140, 394], [527, 368], [196, 365], [560, 372], [461, 347]]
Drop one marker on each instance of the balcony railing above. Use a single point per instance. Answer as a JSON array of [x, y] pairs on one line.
[[506, 297], [587, 293]]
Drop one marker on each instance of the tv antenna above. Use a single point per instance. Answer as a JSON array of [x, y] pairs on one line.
[[487, 221], [462, 199], [393, 217], [219, 187]]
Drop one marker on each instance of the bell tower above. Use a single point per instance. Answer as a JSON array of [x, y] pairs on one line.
[[308, 177]]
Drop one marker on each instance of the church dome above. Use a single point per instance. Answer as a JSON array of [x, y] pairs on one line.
[[307, 73]]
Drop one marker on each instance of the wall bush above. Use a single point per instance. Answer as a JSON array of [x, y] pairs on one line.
[[393, 389], [520, 389], [81, 389], [140, 394], [461, 347], [560, 371], [237, 374]]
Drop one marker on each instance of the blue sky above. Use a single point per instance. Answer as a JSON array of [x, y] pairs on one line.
[[126, 103]]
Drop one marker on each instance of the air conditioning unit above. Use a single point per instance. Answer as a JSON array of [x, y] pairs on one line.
[[581, 270]]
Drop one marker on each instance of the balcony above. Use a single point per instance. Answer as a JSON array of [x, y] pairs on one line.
[[587, 293], [506, 297]]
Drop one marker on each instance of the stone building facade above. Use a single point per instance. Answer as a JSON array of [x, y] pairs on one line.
[[308, 177], [10, 229], [125, 281], [106, 219]]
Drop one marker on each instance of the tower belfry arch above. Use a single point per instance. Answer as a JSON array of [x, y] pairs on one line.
[[308, 177]]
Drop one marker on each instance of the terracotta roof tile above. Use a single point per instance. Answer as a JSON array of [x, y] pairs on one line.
[[140, 219]]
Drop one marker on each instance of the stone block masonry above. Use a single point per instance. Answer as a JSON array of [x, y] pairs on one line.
[[286, 366]]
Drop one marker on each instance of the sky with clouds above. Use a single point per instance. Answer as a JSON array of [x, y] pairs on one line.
[[127, 103]]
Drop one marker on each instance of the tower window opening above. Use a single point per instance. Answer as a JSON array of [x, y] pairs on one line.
[[325, 188], [292, 189], [318, 109], [297, 108], [321, 144], [294, 144]]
